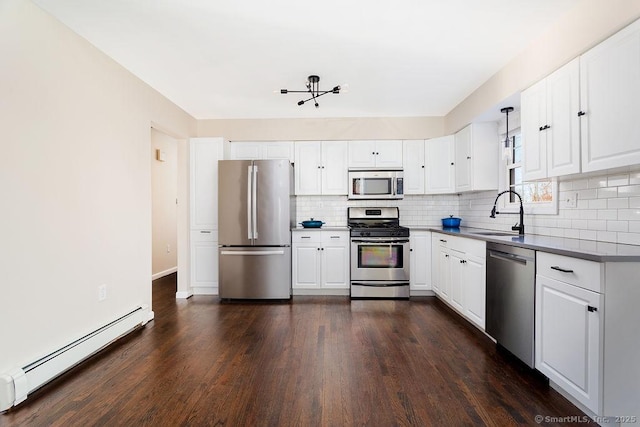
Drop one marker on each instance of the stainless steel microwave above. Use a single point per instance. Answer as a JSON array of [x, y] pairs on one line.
[[376, 184]]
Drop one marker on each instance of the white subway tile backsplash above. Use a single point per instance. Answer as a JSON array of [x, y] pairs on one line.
[[618, 226], [608, 210], [617, 180], [619, 203], [607, 193], [629, 191]]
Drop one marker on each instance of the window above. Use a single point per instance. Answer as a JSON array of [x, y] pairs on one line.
[[538, 197]]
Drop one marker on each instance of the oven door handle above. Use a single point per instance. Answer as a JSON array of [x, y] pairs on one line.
[[379, 242]]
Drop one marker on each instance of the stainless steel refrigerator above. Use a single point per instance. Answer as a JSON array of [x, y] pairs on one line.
[[256, 211]]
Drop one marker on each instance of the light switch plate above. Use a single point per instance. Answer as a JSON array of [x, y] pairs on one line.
[[569, 201]]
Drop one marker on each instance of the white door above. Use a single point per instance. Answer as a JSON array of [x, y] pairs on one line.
[[440, 167], [306, 266], [463, 159], [414, 166], [457, 280], [420, 262], [308, 168], [278, 150], [335, 260], [389, 154], [568, 323], [533, 119], [563, 135], [335, 179], [610, 99], [474, 283], [204, 156], [245, 150], [362, 154]]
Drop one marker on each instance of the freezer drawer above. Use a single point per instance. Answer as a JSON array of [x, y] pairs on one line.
[[255, 272]]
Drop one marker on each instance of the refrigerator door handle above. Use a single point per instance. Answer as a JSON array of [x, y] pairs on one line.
[[252, 252], [249, 200], [254, 204]]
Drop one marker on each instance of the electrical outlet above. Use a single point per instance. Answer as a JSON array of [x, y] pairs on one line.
[[570, 201], [102, 292]]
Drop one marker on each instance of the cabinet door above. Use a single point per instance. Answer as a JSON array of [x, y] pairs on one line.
[[307, 167], [568, 338], [610, 97], [245, 150], [474, 283], [362, 154], [534, 139], [456, 281], [306, 266], [420, 262], [463, 159], [414, 166], [335, 179], [435, 264], [389, 154], [440, 168], [204, 267], [563, 135], [335, 260], [203, 158], [444, 273], [278, 150]]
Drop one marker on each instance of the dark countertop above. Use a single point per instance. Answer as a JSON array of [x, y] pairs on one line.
[[323, 228], [585, 249]]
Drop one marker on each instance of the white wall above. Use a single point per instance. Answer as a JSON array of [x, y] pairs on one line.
[[589, 23], [75, 184], [164, 193]]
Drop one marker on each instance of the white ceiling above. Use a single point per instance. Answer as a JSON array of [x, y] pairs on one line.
[[225, 59]]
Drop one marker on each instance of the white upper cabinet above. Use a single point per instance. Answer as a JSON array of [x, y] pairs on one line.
[[610, 100], [476, 164], [414, 166], [204, 154], [321, 168], [375, 154], [266, 150], [440, 165], [551, 126]]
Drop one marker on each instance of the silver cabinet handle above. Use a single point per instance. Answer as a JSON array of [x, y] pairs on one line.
[[257, 253], [205, 232]]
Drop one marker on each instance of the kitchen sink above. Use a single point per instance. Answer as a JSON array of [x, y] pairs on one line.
[[493, 233]]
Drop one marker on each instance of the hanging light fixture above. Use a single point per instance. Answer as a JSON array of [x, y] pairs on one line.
[[506, 151], [312, 89]]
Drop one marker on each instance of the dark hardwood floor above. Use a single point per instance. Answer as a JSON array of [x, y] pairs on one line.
[[315, 361]]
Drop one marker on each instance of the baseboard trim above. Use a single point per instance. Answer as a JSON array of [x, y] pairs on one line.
[[164, 273], [322, 292], [184, 294], [205, 290], [422, 293]]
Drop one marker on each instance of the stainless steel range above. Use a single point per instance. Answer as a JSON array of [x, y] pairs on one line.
[[379, 253]]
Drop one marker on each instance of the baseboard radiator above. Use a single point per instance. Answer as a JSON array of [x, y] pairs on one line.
[[17, 384]]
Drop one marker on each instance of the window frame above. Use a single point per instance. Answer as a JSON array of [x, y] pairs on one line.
[[538, 208]]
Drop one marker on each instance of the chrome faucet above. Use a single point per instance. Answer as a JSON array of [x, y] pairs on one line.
[[519, 226]]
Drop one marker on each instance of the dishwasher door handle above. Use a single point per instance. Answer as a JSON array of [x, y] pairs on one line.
[[507, 257]]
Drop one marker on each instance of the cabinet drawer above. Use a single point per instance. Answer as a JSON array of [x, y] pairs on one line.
[[204, 235], [335, 238], [306, 236], [579, 272]]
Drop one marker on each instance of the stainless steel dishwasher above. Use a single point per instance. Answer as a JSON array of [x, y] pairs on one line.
[[511, 298]]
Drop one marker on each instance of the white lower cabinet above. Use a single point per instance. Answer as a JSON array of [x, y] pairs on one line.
[[320, 263], [569, 313], [458, 275], [420, 263], [204, 262], [587, 321]]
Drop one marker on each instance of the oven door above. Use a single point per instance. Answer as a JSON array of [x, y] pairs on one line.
[[380, 259]]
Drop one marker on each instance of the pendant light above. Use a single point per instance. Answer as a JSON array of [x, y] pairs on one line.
[[506, 151]]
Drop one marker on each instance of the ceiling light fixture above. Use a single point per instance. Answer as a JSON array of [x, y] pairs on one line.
[[507, 142], [313, 89]]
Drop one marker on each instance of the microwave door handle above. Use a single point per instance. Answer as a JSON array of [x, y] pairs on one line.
[[394, 183], [249, 200]]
